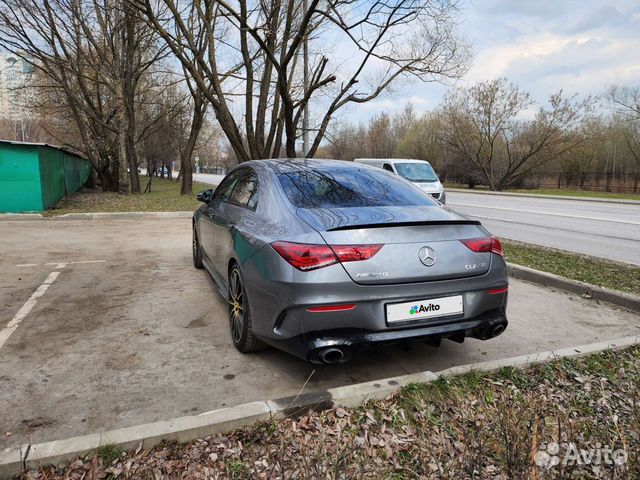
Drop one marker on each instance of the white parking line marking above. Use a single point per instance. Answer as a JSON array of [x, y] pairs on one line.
[[6, 332], [60, 264], [76, 263], [628, 222]]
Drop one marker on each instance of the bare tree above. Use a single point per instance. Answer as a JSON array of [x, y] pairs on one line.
[[381, 137], [403, 121], [424, 140], [198, 103], [347, 141], [22, 130], [485, 125], [248, 66], [625, 101], [198, 112], [92, 56]]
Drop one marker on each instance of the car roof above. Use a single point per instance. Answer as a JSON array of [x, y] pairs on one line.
[[391, 160], [283, 165]]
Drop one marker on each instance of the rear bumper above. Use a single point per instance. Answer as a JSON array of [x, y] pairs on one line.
[[310, 346], [280, 298]]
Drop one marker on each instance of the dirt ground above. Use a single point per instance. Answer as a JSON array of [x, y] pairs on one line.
[[134, 334]]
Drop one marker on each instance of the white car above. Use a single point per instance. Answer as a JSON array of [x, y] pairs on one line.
[[419, 172]]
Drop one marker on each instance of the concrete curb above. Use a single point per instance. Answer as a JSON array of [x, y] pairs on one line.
[[20, 217], [120, 215], [537, 195], [13, 460], [534, 358], [11, 217], [545, 279]]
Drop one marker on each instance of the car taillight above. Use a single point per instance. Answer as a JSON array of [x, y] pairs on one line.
[[484, 245], [355, 253], [306, 257]]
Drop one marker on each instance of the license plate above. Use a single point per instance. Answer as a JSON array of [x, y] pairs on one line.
[[421, 309]]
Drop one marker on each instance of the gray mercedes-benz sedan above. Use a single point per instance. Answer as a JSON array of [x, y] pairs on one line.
[[321, 257]]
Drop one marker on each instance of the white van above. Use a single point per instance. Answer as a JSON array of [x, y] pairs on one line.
[[419, 172]]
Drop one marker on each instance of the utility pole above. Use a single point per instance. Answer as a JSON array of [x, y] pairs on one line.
[[305, 54]]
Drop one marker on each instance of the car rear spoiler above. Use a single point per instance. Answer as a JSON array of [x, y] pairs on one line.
[[405, 224]]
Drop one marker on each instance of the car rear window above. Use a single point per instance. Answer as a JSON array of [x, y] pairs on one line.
[[349, 187]]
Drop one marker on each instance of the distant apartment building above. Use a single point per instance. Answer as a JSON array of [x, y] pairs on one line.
[[15, 74]]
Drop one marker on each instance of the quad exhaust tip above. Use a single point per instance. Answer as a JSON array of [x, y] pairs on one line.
[[331, 355], [497, 330], [491, 331]]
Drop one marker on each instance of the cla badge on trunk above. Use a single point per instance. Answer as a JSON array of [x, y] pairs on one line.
[[427, 256]]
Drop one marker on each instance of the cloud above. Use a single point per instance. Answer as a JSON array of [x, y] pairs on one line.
[[576, 46], [543, 46]]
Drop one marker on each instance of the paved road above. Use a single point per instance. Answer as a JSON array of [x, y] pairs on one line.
[[128, 332], [608, 230], [209, 178]]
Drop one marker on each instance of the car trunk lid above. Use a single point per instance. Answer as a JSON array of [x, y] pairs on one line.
[[420, 243]]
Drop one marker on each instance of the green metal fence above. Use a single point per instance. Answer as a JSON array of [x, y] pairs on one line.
[[33, 177]]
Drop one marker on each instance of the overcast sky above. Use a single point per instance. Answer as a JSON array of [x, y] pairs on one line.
[[581, 46]]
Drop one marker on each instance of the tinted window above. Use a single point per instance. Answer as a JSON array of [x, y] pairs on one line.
[[349, 187], [244, 192], [226, 186], [387, 167], [416, 172]]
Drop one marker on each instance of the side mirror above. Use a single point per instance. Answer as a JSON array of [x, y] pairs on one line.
[[205, 196]]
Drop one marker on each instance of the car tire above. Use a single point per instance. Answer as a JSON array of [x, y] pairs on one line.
[[239, 315], [196, 250]]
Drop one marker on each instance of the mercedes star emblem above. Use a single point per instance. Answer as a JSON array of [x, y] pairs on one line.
[[427, 256]]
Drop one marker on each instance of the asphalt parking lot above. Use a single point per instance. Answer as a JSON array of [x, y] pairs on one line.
[[128, 332]]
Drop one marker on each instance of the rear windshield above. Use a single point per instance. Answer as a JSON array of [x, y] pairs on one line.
[[417, 172], [349, 187]]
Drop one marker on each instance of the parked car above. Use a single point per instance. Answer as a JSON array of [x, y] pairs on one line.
[[319, 258], [418, 172]]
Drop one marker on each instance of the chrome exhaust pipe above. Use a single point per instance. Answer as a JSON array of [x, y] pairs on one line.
[[331, 355], [486, 332], [497, 330]]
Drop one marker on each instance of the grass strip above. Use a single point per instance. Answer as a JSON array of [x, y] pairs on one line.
[[164, 197], [599, 272], [570, 418]]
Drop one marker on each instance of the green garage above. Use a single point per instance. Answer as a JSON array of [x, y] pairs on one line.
[[34, 176]]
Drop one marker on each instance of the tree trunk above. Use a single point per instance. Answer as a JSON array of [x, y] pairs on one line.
[[186, 174], [105, 181], [186, 159], [132, 161], [91, 179], [123, 175]]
